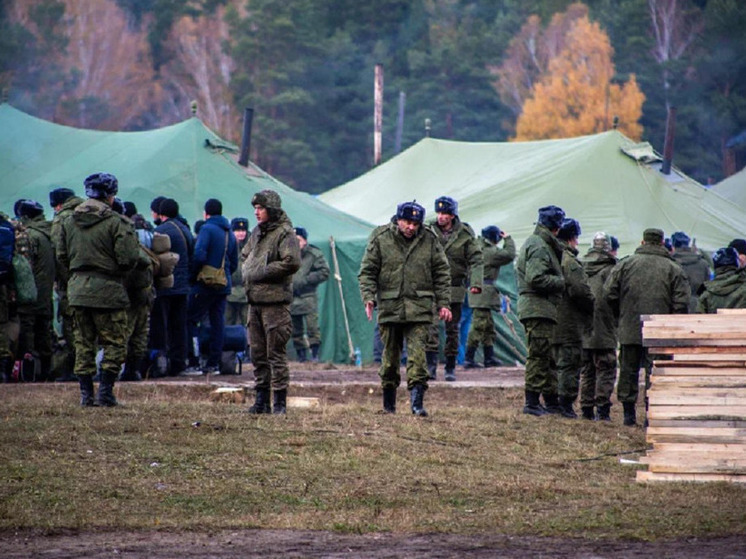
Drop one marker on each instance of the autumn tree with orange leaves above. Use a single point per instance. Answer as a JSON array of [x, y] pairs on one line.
[[577, 94]]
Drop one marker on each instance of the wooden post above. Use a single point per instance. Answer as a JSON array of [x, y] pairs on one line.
[[377, 113]]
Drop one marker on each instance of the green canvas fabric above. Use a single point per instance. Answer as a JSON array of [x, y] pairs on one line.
[[190, 163]]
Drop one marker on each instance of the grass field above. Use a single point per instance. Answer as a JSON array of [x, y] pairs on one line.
[[168, 458]]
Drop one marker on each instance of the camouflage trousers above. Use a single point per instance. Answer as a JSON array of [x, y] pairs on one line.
[[452, 333], [482, 329], [138, 327], [66, 316], [269, 332], [568, 359], [393, 336], [597, 377], [35, 336], [631, 358], [236, 313], [539, 375], [104, 328], [306, 330]]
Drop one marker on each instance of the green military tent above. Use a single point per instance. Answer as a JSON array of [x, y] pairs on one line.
[[189, 163], [733, 188], [606, 181]]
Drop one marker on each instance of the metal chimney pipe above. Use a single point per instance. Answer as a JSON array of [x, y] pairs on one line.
[[377, 113], [248, 117], [400, 122], [668, 143]]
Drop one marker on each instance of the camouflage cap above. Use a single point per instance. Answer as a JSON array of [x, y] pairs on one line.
[[601, 241], [653, 236], [268, 199]]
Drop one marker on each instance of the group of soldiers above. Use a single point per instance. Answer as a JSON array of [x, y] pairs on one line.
[[127, 306]]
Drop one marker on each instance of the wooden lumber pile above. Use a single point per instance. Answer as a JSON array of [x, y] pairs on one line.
[[697, 398]]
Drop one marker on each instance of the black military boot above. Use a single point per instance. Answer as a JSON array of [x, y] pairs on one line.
[[261, 403], [565, 404], [469, 362], [532, 406], [588, 413], [603, 412], [432, 364], [105, 395], [280, 406], [450, 368], [630, 414], [551, 404], [417, 396], [489, 357], [315, 353], [301, 353], [389, 400], [86, 391]]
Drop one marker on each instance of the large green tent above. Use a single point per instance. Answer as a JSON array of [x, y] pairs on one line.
[[189, 163], [606, 181], [733, 188]]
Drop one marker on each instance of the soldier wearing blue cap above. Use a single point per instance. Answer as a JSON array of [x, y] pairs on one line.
[[405, 275], [695, 265], [464, 255], [482, 329], [304, 310], [727, 290], [540, 288]]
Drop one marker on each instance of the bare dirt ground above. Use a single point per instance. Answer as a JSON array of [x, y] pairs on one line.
[[291, 544]]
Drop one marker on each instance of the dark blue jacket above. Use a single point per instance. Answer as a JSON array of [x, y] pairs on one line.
[[210, 248], [182, 243]]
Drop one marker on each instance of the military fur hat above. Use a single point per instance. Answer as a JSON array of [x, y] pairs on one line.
[[239, 224], [570, 229], [725, 257], [268, 199], [614, 243], [551, 217], [492, 232], [101, 185], [60, 196], [653, 236], [411, 211], [680, 239], [301, 232], [446, 205], [28, 208]]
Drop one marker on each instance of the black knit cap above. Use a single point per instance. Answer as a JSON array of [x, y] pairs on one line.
[[155, 205], [301, 232], [214, 207], [169, 207], [739, 245], [130, 209], [60, 196]]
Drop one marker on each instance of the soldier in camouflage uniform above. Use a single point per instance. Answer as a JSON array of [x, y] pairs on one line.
[[727, 290], [99, 247], [304, 310], [482, 326], [648, 282], [405, 274], [574, 316], [35, 338], [270, 258], [695, 265], [64, 201], [464, 255], [598, 372], [540, 289]]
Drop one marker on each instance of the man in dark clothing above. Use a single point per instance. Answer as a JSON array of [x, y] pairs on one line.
[[648, 282], [598, 373], [168, 319], [540, 289], [695, 265], [237, 303], [270, 258], [727, 290], [215, 248], [99, 247]]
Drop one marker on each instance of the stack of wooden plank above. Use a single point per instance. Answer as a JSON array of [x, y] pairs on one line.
[[697, 397]]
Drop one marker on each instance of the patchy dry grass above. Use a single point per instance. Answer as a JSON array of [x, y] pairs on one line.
[[169, 458]]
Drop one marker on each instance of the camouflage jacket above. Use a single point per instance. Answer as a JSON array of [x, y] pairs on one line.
[[575, 311], [647, 282], [598, 264], [406, 278], [727, 290], [62, 273], [494, 258], [41, 256], [270, 258], [464, 255], [98, 246], [313, 271], [539, 276], [697, 270]]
